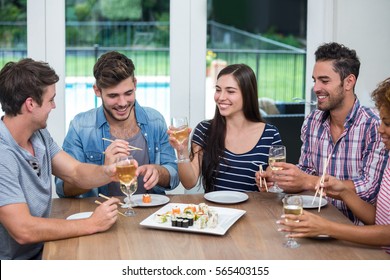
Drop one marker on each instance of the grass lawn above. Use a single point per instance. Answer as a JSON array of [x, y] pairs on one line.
[[280, 76]]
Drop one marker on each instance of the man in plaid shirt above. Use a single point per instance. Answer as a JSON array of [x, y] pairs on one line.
[[340, 131]]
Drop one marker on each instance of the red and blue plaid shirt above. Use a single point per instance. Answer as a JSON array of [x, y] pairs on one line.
[[358, 155]]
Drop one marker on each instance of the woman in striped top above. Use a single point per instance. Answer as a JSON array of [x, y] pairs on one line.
[[377, 218], [227, 150]]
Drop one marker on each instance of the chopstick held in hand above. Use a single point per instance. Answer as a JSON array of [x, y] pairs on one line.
[[321, 183], [131, 147], [261, 178], [120, 213], [106, 197]]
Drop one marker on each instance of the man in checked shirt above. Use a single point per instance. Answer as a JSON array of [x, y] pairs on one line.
[[339, 129]]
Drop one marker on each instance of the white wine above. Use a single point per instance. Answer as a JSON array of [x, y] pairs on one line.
[[272, 161], [129, 189], [181, 134], [126, 173], [293, 209]]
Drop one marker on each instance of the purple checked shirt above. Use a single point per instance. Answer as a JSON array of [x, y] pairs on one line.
[[358, 155]]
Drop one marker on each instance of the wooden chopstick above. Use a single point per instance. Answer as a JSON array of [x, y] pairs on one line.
[[131, 147], [106, 197], [120, 213], [322, 180], [261, 178]]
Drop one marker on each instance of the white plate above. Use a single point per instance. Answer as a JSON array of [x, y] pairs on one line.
[[226, 218], [157, 199], [226, 197], [82, 215], [308, 201]]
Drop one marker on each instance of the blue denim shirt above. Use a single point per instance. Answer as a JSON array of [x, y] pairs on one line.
[[84, 142]]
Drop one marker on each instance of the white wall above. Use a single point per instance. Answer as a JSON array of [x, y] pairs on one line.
[[46, 42], [358, 24]]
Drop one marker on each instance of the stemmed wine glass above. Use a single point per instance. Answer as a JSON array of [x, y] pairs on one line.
[[277, 153], [179, 126], [292, 204], [125, 169]]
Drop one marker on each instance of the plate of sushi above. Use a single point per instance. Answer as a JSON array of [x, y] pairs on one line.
[[226, 197], [196, 218]]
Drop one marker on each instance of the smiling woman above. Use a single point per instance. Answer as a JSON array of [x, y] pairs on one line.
[[79, 95]]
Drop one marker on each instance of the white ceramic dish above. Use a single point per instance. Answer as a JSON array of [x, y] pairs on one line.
[[308, 201], [226, 218], [226, 197], [82, 215], [157, 199]]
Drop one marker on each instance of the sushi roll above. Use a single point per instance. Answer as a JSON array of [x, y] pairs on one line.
[[201, 222], [160, 218], [184, 223], [190, 218], [176, 210], [179, 222], [213, 219], [146, 198], [173, 221], [203, 207]]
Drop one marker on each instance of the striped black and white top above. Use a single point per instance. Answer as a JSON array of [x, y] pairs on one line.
[[237, 171]]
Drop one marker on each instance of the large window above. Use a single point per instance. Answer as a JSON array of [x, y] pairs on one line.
[[139, 29], [13, 31]]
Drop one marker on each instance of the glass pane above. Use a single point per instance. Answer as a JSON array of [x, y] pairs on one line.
[[138, 29], [260, 34], [13, 31]]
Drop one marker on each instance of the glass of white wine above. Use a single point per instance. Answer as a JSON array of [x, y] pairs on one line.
[[277, 153], [292, 204], [125, 169], [179, 126]]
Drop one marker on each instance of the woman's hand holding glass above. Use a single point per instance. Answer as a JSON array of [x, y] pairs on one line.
[[292, 204], [179, 135]]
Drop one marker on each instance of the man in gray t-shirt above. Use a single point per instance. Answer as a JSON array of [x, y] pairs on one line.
[[29, 157]]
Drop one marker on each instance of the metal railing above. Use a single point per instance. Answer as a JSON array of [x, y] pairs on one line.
[[280, 69]]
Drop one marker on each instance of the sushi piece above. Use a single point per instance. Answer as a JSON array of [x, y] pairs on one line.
[[201, 222], [190, 218], [176, 210], [146, 198], [203, 207], [213, 219], [160, 218]]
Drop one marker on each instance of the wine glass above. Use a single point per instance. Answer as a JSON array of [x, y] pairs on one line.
[[125, 169], [292, 204], [179, 126], [277, 153]]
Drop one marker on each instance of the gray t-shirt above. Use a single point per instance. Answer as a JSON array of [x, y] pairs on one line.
[[25, 179]]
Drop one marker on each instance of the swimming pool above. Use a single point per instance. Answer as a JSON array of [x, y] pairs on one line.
[[151, 92]]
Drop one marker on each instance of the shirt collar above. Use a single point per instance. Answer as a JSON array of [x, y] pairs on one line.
[[350, 119]]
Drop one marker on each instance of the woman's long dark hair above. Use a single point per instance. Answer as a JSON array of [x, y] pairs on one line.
[[215, 146]]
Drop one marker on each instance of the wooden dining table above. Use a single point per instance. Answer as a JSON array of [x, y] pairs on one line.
[[253, 236]]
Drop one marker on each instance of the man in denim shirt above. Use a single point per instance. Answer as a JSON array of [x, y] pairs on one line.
[[122, 119]]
